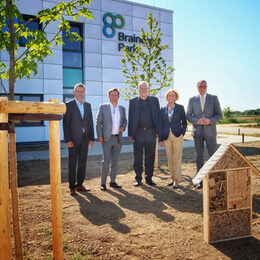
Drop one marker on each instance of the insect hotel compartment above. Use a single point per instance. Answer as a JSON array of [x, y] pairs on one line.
[[217, 191], [229, 224], [239, 189]]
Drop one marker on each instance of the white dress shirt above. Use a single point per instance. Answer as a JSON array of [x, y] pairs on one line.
[[81, 107], [115, 113], [204, 97]]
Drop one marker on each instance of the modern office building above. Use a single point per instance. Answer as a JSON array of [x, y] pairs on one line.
[[96, 61]]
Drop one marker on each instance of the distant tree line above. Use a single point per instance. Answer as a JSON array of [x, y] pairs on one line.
[[248, 112], [230, 116]]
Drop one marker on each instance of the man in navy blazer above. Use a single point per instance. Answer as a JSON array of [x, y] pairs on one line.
[[142, 128], [204, 112], [79, 136]]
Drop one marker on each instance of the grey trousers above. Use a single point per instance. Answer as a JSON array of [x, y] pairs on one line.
[[211, 144], [111, 151]]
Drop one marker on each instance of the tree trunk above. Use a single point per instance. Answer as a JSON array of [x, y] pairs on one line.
[[12, 145], [14, 195]]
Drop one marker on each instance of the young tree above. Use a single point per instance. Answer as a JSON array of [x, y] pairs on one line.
[[24, 60], [228, 113], [145, 62]]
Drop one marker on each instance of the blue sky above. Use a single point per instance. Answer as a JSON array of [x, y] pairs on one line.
[[219, 41]]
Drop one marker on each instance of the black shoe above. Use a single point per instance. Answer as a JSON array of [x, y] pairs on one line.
[[103, 187], [175, 186], [115, 185], [170, 184], [199, 186], [138, 183], [150, 182]]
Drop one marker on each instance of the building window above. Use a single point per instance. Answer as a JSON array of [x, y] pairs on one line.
[[28, 97], [32, 26], [72, 54]]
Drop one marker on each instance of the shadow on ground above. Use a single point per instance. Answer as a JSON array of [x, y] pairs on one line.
[[248, 151], [141, 204], [240, 249], [100, 212]]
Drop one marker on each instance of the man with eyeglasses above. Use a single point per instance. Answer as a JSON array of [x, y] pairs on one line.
[[110, 124], [204, 112]]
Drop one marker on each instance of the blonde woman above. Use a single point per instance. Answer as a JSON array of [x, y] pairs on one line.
[[172, 128]]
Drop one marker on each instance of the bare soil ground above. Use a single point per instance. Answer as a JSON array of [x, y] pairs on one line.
[[129, 223]]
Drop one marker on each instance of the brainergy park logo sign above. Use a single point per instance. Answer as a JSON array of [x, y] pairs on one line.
[[113, 22]]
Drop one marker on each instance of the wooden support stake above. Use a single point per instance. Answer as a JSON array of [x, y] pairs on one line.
[[5, 238], [20, 107], [55, 178], [155, 166], [14, 193], [206, 212]]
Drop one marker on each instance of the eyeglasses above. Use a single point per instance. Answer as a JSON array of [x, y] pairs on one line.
[[204, 86]]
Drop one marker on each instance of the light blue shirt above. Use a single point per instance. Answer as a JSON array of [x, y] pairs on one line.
[[81, 107]]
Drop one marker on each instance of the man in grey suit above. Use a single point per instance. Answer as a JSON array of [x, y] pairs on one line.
[[110, 124], [79, 136], [204, 112]]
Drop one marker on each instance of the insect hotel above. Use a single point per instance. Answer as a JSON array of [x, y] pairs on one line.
[[227, 195]]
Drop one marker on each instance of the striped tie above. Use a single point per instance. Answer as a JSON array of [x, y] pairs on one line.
[[202, 103]]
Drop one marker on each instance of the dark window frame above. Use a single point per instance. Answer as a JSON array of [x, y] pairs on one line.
[[67, 50], [26, 17]]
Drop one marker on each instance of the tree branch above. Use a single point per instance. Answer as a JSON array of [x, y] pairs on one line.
[[2, 84]]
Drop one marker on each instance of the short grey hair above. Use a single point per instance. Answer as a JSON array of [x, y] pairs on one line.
[[143, 82], [202, 81], [81, 85]]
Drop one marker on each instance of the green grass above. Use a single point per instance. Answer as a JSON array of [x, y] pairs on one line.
[[233, 121], [81, 254], [250, 125]]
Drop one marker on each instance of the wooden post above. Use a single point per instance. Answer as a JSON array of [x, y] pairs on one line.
[[155, 166], [20, 107], [5, 238], [14, 193], [206, 218], [55, 178]]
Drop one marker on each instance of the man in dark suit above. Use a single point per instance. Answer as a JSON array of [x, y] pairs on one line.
[[79, 136], [110, 124], [204, 112], [142, 128]]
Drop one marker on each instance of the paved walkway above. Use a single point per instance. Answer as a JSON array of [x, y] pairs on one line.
[[128, 148]]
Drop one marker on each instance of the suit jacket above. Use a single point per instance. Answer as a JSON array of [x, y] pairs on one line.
[[104, 121], [73, 123], [178, 123], [133, 116], [212, 111]]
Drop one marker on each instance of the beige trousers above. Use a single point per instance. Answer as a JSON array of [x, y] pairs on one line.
[[173, 147]]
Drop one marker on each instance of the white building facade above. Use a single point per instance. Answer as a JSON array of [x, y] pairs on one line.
[[96, 61]]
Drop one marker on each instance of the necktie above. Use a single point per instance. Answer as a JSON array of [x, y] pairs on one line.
[[202, 103]]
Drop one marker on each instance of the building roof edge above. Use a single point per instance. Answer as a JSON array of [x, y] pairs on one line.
[[144, 5]]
